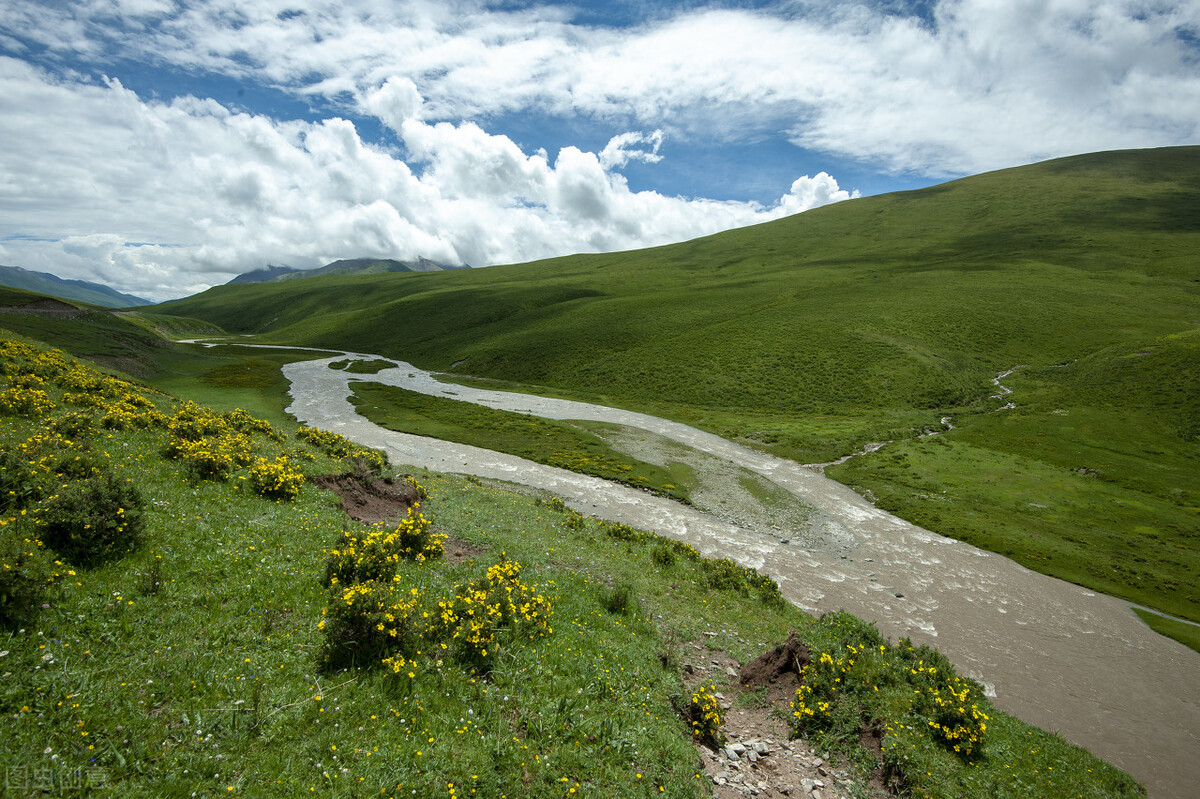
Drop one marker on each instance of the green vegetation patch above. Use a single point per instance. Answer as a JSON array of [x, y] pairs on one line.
[[1183, 632], [1092, 477], [358, 366], [545, 441]]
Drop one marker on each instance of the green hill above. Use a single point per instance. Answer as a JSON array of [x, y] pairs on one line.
[[871, 320], [77, 290]]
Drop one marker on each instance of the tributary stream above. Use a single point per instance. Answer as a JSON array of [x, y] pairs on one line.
[[1056, 655]]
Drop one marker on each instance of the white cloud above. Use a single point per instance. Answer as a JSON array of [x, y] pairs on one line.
[[162, 199], [622, 149], [986, 84]]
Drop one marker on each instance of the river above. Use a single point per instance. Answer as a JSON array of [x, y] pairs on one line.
[[1054, 654]]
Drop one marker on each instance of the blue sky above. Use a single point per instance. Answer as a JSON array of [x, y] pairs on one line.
[[163, 146]]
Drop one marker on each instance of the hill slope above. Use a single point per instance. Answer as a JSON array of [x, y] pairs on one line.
[[868, 320], [78, 290]]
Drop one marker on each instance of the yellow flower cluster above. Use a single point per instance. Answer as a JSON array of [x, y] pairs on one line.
[[23, 401], [920, 682], [374, 554], [704, 712], [205, 443], [957, 720], [380, 618], [496, 603], [337, 446], [275, 479]]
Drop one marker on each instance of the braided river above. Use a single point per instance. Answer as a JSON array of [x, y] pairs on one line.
[[1056, 655]]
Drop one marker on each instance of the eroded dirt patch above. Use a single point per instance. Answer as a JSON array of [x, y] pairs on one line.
[[371, 499]]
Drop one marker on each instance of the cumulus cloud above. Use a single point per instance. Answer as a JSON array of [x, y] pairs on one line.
[[162, 199]]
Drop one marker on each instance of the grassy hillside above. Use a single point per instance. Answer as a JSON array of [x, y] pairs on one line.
[[870, 320], [171, 625], [74, 290]]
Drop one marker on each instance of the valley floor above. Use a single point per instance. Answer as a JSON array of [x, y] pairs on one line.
[[1056, 655]]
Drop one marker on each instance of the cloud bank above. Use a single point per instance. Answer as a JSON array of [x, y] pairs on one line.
[[162, 195]]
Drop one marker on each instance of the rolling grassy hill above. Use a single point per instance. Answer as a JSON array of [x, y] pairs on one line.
[[871, 320]]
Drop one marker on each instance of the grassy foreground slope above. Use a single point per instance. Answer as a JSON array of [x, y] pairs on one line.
[[169, 627], [865, 321]]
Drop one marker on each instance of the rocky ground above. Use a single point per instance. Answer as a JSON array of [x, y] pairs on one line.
[[758, 757]]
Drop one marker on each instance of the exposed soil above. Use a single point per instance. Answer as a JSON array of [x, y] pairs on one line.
[[371, 499], [758, 757], [374, 500]]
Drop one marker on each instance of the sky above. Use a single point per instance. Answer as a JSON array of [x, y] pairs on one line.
[[164, 146]]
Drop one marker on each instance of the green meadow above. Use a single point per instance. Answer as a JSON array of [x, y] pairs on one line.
[[868, 321], [185, 612]]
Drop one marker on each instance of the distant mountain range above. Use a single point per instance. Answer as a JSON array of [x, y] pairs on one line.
[[346, 266], [78, 290]]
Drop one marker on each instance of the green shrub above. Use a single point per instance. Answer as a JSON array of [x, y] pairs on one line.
[[20, 485], [92, 520], [25, 571], [618, 600], [725, 575]]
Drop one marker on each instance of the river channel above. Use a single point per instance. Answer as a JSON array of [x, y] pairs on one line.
[[1054, 654]]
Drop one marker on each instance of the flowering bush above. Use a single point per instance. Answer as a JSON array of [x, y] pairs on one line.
[[375, 553], [92, 520], [849, 686], [238, 419], [703, 711], [382, 622], [20, 401], [275, 479], [494, 604], [193, 423], [337, 446], [370, 621], [203, 458]]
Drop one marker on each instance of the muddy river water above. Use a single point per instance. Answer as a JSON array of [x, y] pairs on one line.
[[1056, 655]]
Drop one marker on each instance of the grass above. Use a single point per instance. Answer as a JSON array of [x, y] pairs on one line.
[[1186, 634], [561, 444], [1076, 481], [191, 663], [869, 321]]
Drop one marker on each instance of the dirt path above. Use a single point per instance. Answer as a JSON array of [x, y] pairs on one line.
[[1054, 654]]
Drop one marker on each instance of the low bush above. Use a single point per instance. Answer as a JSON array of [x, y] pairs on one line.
[[93, 520], [703, 714], [25, 572]]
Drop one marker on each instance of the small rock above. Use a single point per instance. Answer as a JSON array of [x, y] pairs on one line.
[[752, 756], [761, 748], [731, 672]]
